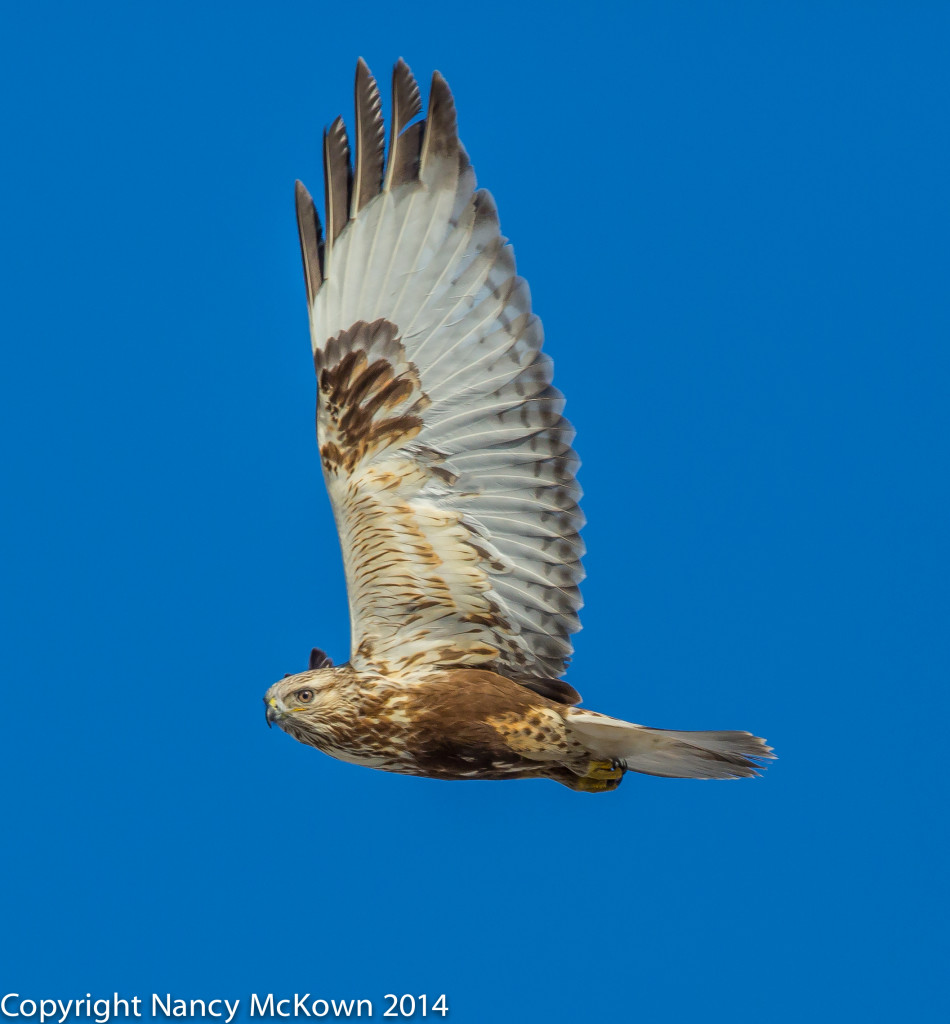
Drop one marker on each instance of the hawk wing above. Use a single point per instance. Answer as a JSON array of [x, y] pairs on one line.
[[445, 453]]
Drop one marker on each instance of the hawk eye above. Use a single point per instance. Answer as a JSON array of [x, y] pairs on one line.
[[304, 696]]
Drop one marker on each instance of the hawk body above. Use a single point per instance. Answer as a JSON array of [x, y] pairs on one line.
[[449, 466], [455, 724]]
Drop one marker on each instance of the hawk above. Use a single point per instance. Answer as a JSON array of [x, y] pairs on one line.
[[449, 466]]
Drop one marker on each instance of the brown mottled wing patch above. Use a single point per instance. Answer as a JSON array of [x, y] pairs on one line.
[[444, 445], [370, 398]]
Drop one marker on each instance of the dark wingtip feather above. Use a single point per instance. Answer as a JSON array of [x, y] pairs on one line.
[[404, 164], [403, 145], [337, 177], [405, 82], [441, 138], [368, 168], [311, 240]]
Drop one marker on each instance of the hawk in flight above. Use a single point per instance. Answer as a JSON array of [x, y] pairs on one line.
[[449, 467]]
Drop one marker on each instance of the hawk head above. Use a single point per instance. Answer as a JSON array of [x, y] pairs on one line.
[[302, 702]]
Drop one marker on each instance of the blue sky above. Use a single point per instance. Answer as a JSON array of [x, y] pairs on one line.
[[734, 222]]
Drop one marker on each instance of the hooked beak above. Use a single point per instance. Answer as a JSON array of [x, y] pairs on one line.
[[270, 711]]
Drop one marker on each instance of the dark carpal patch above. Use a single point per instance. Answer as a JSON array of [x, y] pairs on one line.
[[370, 397]]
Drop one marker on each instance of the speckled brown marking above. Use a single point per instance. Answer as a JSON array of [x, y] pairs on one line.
[[541, 735]]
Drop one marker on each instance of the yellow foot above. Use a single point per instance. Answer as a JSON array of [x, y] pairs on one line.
[[601, 777], [604, 771], [589, 785]]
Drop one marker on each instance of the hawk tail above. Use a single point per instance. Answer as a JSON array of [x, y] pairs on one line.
[[666, 752]]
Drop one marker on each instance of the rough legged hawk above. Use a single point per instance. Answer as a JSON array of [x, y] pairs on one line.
[[450, 470]]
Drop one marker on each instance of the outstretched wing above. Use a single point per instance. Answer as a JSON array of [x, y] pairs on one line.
[[445, 452]]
